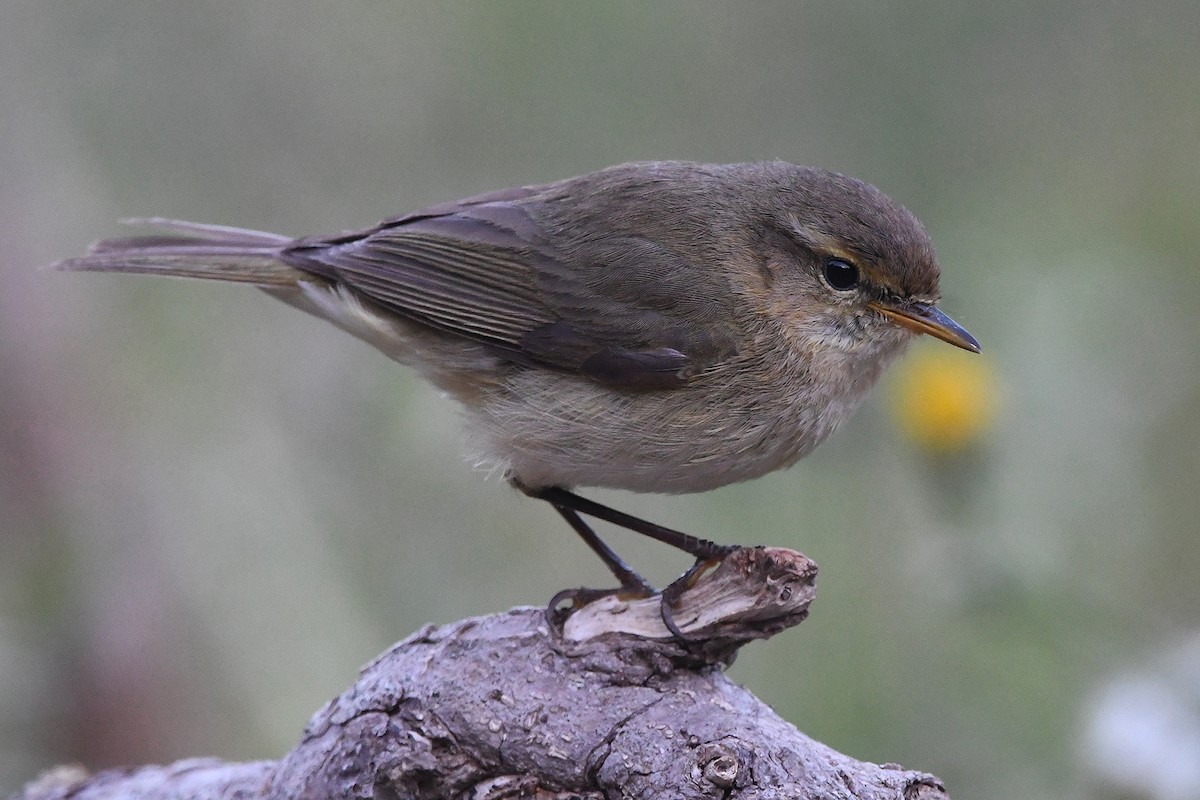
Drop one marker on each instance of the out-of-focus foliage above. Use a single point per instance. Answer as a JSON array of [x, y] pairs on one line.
[[213, 509]]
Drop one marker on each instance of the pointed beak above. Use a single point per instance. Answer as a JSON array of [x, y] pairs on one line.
[[924, 318]]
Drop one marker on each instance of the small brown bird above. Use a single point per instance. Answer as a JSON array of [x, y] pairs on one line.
[[656, 327]]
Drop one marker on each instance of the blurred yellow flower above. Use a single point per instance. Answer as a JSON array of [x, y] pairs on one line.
[[943, 400]]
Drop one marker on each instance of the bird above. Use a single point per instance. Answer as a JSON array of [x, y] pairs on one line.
[[664, 326]]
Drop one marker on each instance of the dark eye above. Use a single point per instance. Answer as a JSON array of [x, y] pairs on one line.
[[841, 274]]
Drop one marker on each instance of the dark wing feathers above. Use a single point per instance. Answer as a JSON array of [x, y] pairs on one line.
[[484, 271], [419, 277]]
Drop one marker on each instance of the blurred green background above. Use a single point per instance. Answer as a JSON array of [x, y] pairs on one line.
[[213, 509]]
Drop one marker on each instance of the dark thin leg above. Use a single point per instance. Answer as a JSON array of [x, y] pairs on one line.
[[631, 582], [701, 549], [570, 505], [632, 585]]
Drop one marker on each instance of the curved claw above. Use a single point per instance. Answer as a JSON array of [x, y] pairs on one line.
[[580, 597], [668, 598], [671, 595], [668, 618]]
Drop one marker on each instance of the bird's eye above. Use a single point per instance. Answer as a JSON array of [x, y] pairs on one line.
[[841, 274]]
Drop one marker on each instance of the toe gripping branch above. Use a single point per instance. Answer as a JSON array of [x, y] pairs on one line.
[[750, 587]]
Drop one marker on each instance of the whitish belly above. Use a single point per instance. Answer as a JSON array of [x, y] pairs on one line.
[[569, 432]]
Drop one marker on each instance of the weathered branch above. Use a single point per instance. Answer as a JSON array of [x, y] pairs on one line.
[[501, 707]]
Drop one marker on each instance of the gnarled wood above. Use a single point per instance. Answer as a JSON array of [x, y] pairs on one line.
[[502, 707]]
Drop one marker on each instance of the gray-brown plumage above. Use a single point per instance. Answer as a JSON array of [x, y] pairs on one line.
[[660, 327]]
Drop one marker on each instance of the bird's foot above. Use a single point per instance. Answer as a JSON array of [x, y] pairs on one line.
[[669, 597], [568, 601]]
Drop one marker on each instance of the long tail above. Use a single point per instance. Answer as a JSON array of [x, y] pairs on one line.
[[212, 252]]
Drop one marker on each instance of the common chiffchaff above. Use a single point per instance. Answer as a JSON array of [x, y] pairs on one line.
[[657, 327]]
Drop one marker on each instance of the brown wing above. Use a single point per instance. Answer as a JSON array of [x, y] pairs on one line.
[[483, 269]]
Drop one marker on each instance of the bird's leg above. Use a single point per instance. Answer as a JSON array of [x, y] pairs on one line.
[[702, 549], [632, 586], [706, 553]]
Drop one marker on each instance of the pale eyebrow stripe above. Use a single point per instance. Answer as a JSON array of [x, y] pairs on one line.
[[821, 242], [824, 243]]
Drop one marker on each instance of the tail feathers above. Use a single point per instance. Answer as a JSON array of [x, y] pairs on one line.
[[195, 250], [203, 230]]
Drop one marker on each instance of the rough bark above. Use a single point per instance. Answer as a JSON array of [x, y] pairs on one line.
[[503, 707]]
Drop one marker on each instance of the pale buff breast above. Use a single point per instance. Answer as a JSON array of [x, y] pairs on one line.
[[548, 428]]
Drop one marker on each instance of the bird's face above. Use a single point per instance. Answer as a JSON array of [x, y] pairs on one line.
[[852, 272]]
